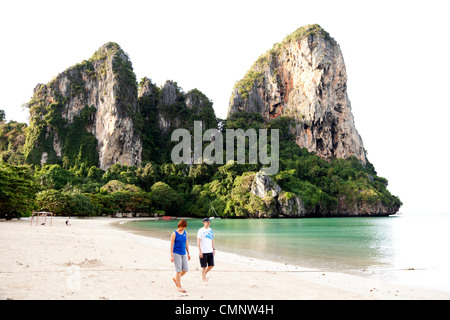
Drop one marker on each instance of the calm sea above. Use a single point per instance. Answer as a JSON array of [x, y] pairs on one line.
[[410, 249]]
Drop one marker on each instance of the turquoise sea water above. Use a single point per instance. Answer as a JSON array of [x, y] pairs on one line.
[[410, 249]]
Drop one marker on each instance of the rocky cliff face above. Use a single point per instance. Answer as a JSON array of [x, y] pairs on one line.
[[189, 107], [304, 78], [165, 109], [86, 113], [93, 113], [286, 204]]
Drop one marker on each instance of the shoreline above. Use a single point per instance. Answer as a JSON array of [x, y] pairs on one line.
[[97, 259], [407, 274]]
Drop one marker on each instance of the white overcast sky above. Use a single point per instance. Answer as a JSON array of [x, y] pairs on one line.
[[396, 54]]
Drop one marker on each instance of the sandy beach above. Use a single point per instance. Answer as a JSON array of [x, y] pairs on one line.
[[95, 259]]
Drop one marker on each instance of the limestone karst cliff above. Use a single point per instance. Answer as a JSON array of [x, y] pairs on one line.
[[300, 88], [86, 113], [164, 109], [304, 78], [95, 113], [284, 204]]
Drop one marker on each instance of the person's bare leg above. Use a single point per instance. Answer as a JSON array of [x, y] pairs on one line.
[[204, 276], [204, 272], [208, 269], [178, 278]]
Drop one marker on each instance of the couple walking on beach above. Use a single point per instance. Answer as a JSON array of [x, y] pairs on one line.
[[179, 251]]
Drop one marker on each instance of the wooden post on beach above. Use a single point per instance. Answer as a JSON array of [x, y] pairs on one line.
[[44, 214]]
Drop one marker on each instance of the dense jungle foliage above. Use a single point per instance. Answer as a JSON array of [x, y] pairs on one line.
[[73, 188]]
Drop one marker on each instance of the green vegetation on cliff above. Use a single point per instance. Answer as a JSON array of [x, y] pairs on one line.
[[255, 74], [53, 164], [327, 188], [158, 120], [76, 143]]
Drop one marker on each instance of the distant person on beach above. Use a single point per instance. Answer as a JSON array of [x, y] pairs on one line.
[[206, 249], [179, 253]]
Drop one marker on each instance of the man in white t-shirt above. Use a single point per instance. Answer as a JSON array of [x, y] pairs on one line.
[[206, 249]]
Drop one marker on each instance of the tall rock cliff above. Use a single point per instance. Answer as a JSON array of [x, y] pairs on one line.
[[87, 114], [304, 78]]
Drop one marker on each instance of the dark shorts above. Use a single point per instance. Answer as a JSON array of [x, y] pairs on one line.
[[208, 259]]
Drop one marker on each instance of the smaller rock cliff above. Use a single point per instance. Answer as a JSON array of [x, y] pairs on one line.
[[304, 78], [87, 113], [166, 109], [286, 204]]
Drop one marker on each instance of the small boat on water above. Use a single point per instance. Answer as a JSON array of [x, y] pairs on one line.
[[169, 218], [214, 210]]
